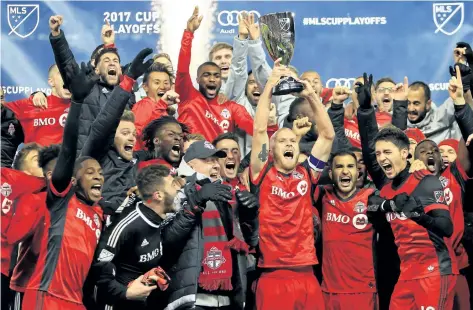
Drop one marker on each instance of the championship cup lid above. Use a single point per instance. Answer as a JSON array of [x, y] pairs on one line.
[[202, 150]]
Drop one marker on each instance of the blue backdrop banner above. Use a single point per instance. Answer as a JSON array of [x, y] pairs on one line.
[[339, 39]]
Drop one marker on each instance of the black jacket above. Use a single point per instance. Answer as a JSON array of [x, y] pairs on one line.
[[185, 272], [97, 98], [119, 173], [12, 136]]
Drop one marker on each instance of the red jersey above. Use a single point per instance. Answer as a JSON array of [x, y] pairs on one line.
[[347, 236], [286, 224], [201, 115], [43, 126], [27, 226], [145, 111], [351, 127], [72, 231], [422, 252], [14, 184], [453, 181]]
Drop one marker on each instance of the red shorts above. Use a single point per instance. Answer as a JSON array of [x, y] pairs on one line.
[[349, 301], [36, 300], [435, 292], [462, 294], [289, 289]]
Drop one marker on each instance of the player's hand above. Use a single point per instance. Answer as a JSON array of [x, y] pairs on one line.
[[139, 66], [108, 35], [340, 94], [463, 53], [55, 23], [248, 205], [307, 92], [171, 97], [468, 141], [132, 190], [139, 291], [252, 26], [40, 100], [194, 21], [375, 202], [215, 191], [400, 90], [417, 165], [301, 126], [407, 205], [242, 28], [466, 75], [278, 72], [273, 118], [455, 88], [81, 80], [156, 276], [363, 91]]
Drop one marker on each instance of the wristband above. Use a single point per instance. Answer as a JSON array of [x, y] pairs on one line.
[[316, 164]]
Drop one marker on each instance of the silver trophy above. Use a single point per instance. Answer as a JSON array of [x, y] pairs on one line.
[[278, 35]]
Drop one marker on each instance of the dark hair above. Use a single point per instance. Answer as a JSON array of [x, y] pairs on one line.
[[194, 136], [419, 84], [421, 142], [21, 155], [79, 161], [225, 136], [47, 157], [341, 153], [157, 67], [96, 50], [296, 103], [394, 135], [207, 63], [383, 80], [149, 178], [155, 126], [128, 116], [103, 52]]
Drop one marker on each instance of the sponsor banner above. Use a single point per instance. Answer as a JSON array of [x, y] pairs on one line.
[[338, 39]]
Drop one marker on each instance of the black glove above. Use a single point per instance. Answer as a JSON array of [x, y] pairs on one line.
[[468, 52], [81, 80], [364, 91], [375, 202], [408, 205], [466, 73], [248, 205], [211, 191], [137, 68]]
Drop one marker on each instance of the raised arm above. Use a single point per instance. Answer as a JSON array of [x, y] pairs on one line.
[[337, 117], [260, 141], [400, 103], [184, 86], [81, 81], [368, 131], [107, 121]]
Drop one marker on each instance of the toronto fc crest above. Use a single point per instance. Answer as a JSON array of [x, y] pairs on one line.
[[214, 258]]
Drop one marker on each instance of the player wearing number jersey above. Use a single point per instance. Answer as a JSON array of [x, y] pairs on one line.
[[286, 203], [347, 238]]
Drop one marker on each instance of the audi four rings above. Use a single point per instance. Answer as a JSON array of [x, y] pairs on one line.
[[230, 18], [345, 82]]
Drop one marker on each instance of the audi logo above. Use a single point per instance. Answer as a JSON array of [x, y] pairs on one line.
[[230, 18], [346, 82]]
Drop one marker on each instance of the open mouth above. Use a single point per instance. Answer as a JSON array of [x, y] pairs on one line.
[[176, 150], [256, 94], [96, 190], [360, 175], [289, 155], [128, 147], [345, 181], [388, 168], [445, 162], [230, 166], [225, 68], [212, 89], [431, 164], [214, 175], [112, 72], [161, 93], [386, 100]]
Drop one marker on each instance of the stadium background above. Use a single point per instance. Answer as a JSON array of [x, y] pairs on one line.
[[394, 38]]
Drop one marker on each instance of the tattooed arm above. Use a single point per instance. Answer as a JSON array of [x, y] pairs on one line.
[[260, 141]]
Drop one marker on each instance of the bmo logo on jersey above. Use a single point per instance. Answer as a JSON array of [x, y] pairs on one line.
[[302, 187], [225, 124], [359, 221], [150, 256], [51, 121], [89, 222]]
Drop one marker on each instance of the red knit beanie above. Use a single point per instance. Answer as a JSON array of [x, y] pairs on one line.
[[450, 142], [415, 134]]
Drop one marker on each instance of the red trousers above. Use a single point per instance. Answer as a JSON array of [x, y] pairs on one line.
[[36, 300], [289, 290], [432, 293], [365, 301], [462, 294]]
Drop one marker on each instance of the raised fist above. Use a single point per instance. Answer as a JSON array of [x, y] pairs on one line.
[[340, 94], [301, 126], [55, 23]]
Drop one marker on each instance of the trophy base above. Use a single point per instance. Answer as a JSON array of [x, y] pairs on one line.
[[286, 86]]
